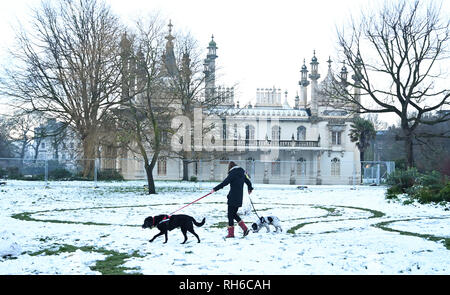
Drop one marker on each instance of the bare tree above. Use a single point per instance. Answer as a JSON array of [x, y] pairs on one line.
[[397, 55], [144, 119], [21, 129], [67, 66]]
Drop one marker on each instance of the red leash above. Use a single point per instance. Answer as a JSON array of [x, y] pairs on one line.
[[167, 218]]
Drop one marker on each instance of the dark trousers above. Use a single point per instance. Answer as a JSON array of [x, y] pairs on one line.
[[232, 215]]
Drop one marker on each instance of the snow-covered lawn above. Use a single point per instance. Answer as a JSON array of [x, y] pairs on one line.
[[73, 228]]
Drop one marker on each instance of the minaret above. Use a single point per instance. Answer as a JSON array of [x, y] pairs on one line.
[[297, 102], [169, 55], [210, 68], [125, 55], [186, 66], [357, 77], [304, 84], [285, 103], [329, 61], [141, 72], [344, 75], [314, 76]]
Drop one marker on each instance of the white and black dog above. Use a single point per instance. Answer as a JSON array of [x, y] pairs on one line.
[[266, 221]]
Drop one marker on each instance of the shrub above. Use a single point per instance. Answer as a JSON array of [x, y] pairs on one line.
[[109, 175], [403, 179], [193, 178], [425, 188], [59, 174], [393, 191], [425, 195], [444, 193], [434, 180], [12, 173]]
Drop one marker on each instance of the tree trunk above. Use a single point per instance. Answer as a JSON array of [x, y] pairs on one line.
[[185, 169], [361, 159], [89, 145], [150, 179], [409, 151]]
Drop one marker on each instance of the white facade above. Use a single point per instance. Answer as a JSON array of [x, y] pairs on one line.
[[307, 143]]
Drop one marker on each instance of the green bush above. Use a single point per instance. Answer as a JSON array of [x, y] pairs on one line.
[[444, 193], [109, 175], [393, 191], [403, 179], [12, 173], [425, 195], [432, 187], [434, 180], [193, 178], [59, 174]]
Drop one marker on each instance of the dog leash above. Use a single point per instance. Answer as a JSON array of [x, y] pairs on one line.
[[170, 215], [254, 210]]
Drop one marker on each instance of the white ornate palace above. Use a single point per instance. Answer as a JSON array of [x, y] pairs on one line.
[[308, 142]]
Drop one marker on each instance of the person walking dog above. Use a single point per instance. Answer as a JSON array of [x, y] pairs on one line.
[[236, 178]]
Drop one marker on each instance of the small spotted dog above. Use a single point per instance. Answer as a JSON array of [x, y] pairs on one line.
[[266, 221]]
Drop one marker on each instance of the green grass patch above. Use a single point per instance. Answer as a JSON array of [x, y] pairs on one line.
[[221, 224], [111, 265], [332, 212], [384, 226]]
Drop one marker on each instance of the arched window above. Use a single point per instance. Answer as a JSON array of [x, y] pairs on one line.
[[162, 166], [276, 133], [301, 133], [249, 132], [335, 167], [301, 167]]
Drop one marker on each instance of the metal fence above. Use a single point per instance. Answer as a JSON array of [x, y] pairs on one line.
[[376, 171], [312, 172]]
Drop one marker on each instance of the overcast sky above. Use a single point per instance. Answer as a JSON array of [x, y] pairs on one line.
[[261, 43]]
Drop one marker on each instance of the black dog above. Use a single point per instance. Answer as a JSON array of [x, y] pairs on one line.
[[164, 224]]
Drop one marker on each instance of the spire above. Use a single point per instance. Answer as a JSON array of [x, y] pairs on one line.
[[169, 55], [209, 68], [314, 67], [169, 37], [285, 103], [357, 77], [304, 75], [212, 48], [344, 73], [125, 45], [329, 61]]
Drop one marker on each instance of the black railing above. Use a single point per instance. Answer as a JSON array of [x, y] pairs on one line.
[[276, 143]]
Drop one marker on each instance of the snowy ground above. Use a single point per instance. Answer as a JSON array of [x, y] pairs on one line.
[[73, 228]]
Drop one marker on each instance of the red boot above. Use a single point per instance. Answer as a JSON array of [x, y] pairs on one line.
[[244, 227], [230, 232]]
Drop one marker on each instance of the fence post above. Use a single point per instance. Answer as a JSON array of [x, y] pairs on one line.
[[46, 169], [95, 173], [378, 173], [199, 172]]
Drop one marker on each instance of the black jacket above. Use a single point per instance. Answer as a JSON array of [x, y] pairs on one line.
[[236, 178]]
